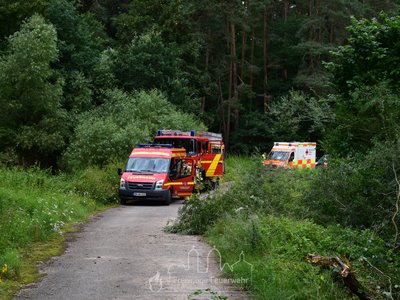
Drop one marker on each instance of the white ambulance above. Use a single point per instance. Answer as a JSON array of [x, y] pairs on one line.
[[292, 155]]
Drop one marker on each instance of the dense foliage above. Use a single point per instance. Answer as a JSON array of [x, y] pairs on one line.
[[278, 217], [250, 69]]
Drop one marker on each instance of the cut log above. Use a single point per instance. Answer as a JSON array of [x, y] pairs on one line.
[[346, 272]]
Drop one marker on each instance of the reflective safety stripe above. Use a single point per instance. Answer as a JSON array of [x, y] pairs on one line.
[[209, 161], [211, 170], [184, 194], [302, 164], [178, 183]]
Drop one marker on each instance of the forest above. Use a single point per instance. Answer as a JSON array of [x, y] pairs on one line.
[[257, 71], [82, 82]]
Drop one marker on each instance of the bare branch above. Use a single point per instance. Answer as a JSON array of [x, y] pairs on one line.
[[380, 272]]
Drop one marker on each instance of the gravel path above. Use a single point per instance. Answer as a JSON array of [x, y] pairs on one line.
[[124, 254]]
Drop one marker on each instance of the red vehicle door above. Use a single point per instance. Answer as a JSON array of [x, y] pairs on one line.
[[182, 177]]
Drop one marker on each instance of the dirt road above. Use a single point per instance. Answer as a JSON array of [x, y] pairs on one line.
[[124, 254]]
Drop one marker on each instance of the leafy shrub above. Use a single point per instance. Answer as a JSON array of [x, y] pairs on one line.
[[276, 247], [198, 214], [254, 190], [99, 184], [359, 191], [110, 131]]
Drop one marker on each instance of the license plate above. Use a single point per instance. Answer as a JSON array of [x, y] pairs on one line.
[[139, 194]]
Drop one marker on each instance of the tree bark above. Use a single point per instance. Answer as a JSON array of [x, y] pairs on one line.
[[207, 58], [252, 58], [222, 108], [265, 47], [243, 54], [285, 10], [285, 19], [234, 74]]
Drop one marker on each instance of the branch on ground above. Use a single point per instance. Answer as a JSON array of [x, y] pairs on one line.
[[346, 272]]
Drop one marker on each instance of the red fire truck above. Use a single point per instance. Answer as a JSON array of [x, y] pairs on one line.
[[173, 167], [206, 148]]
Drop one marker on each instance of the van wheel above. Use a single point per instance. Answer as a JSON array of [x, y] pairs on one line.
[[167, 200], [122, 201]]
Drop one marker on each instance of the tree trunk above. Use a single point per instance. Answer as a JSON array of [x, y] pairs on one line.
[[243, 54], [285, 19], [265, 47], [207, 58], [252, 58], [285, 10], [234, 75], [225, 126]]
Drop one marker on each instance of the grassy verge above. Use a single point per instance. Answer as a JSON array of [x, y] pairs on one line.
[[266, 216], [36, 210]]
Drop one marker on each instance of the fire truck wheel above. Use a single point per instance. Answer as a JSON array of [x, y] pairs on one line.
[[167, 200]]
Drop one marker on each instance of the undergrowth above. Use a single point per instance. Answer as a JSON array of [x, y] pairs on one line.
[[266, 214], [35, 207]]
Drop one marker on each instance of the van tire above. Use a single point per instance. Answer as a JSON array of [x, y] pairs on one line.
[[167, 200], [122, 201]]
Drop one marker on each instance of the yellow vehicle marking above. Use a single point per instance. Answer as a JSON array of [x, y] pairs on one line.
[[177, 183], [213, 166], [173, 183], [184, 194]]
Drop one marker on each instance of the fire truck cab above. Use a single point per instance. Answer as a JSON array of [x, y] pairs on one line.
[[205, 148], [292, 155], [157, 172]]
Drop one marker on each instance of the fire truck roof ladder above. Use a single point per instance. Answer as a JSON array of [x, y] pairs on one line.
[[211, 135], [154, 146], [167, 132]]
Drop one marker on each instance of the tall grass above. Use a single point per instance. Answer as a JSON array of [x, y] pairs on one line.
[[35, 206]]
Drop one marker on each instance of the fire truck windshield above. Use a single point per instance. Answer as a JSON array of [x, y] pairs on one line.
[[278, 155], [147, 164], [188, 144]]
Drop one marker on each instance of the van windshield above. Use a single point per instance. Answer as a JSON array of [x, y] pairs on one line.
[[278, 155], [147, 164]]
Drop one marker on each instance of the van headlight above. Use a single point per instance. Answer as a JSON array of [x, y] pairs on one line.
[[159, 185], [122, 184]]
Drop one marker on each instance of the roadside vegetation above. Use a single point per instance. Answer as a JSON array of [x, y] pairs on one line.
[[36, 208], [351, 210], [267, 215], [81, 82]]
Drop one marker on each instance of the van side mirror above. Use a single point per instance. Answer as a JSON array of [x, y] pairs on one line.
[[119, 170]]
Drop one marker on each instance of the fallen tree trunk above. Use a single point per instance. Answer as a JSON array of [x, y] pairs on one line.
[[346, 273]]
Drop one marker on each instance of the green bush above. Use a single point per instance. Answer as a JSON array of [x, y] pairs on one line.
[[359, 191], [248, 188], [277, 247], [99, 184], [110, 131]]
